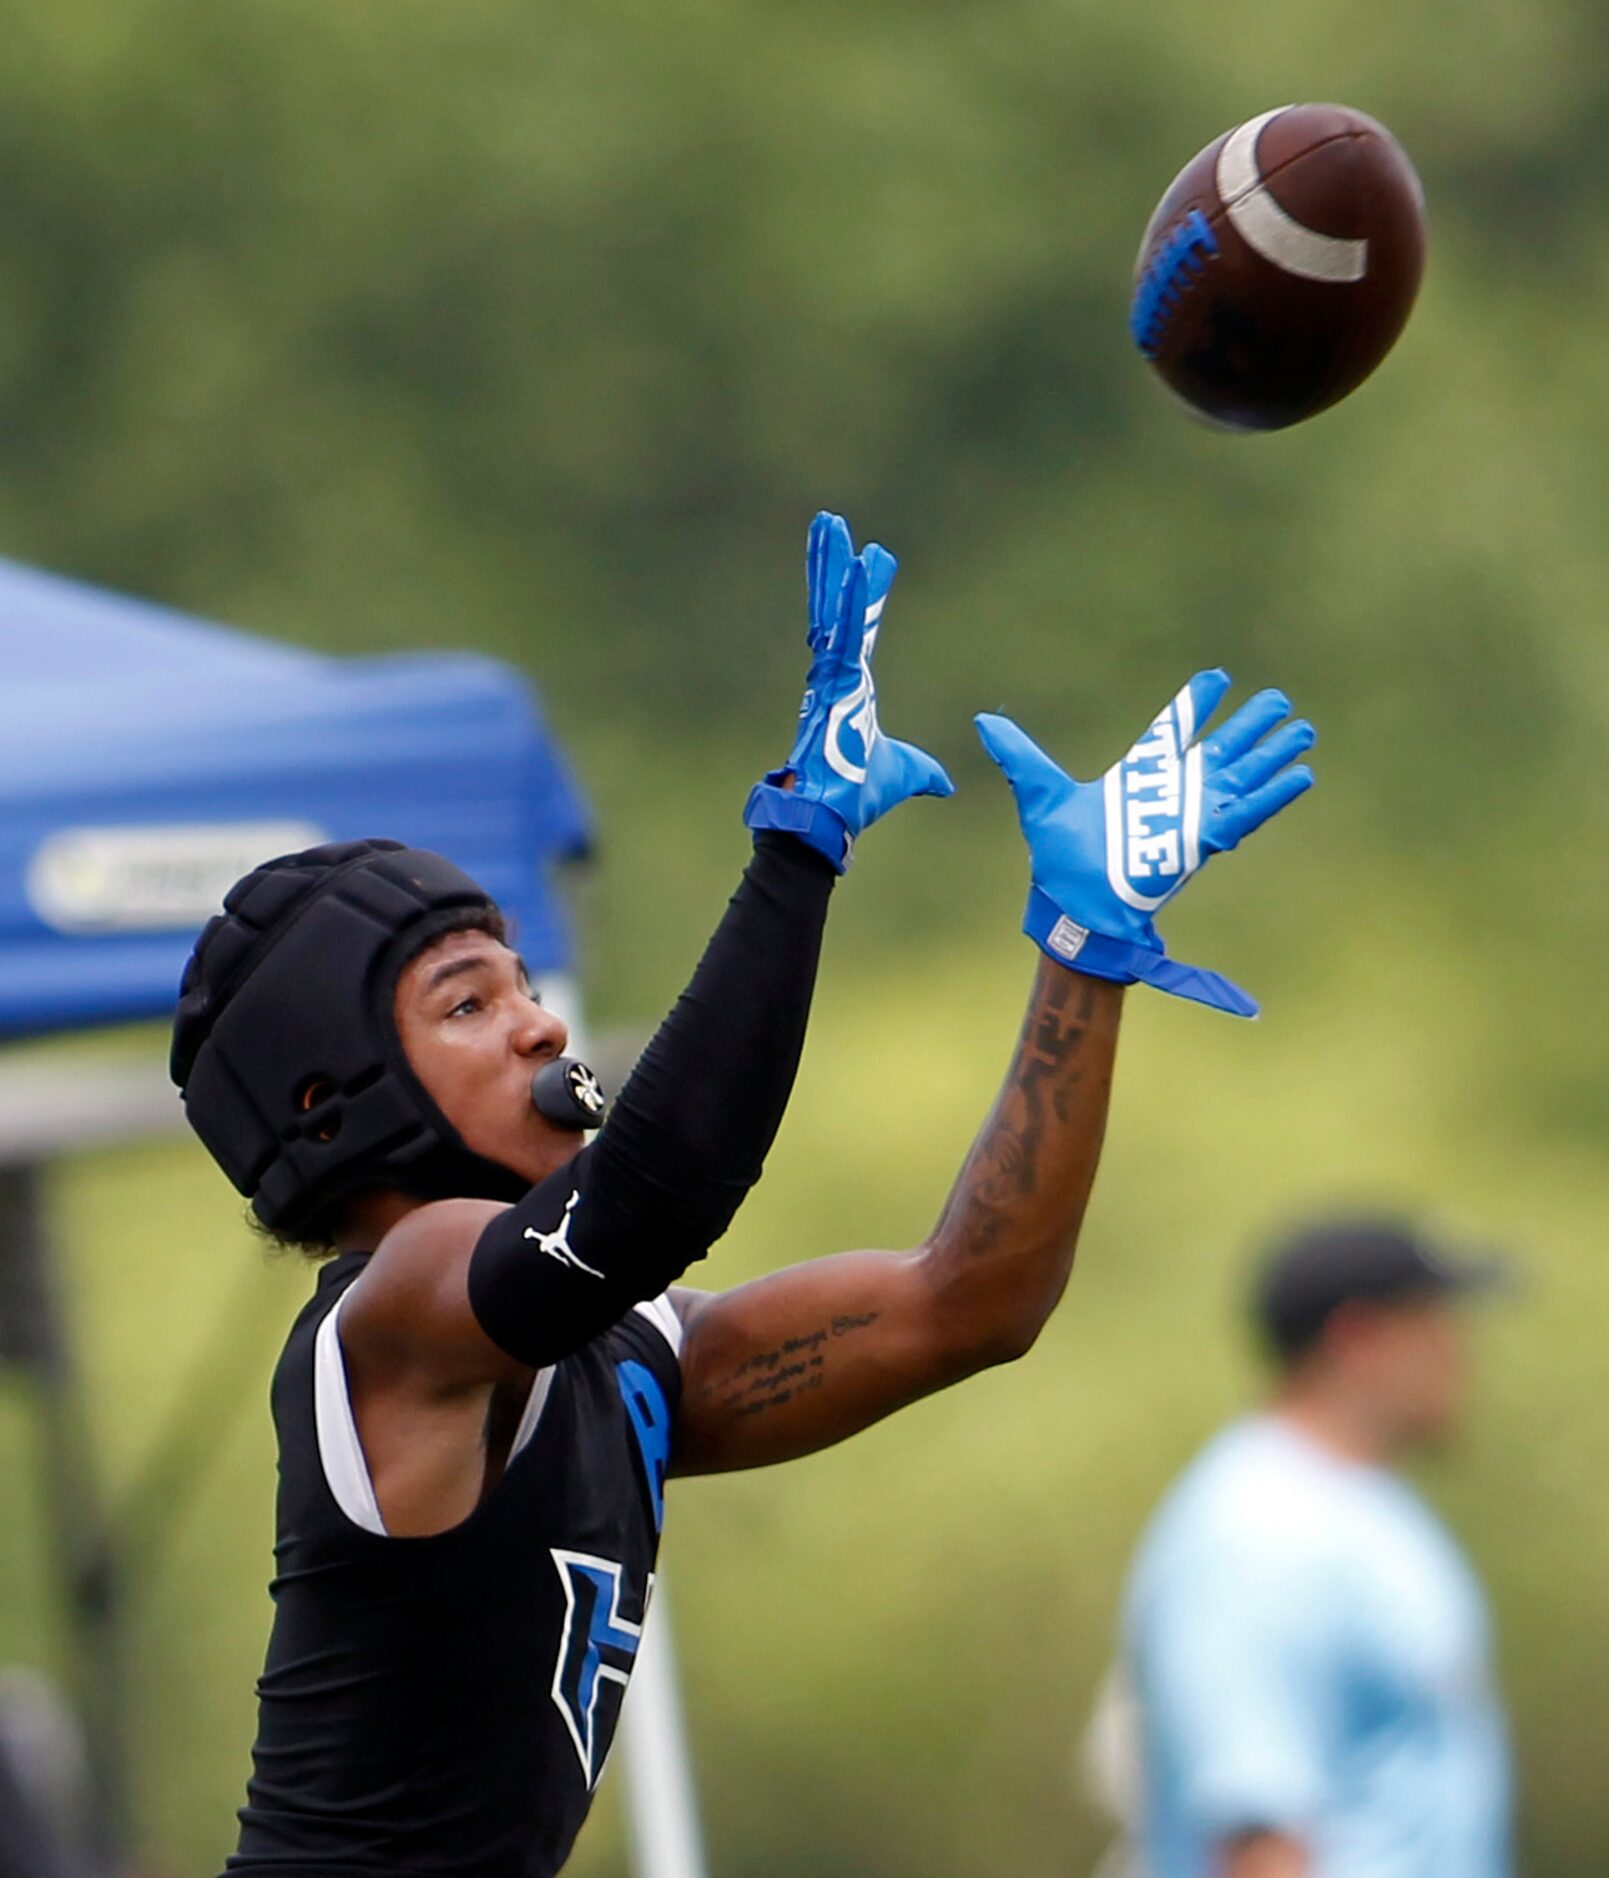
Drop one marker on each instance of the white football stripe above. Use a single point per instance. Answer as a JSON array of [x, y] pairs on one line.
[[1267, 228]]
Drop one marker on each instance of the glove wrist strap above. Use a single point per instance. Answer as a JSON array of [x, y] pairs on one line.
[[789, 813], [1123, 961], [1093, 953]]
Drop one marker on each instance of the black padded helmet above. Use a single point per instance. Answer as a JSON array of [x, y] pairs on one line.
[[285, 1047]]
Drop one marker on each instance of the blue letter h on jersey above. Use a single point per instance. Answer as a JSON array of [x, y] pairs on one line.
[[599, 1645]]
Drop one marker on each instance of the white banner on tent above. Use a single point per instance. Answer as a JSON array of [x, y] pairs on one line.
[[165, 877]]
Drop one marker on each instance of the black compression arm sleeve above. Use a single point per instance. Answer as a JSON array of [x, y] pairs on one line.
[[688, 1134], [693, 1125]]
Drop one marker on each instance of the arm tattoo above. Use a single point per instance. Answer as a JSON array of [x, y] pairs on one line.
[[771, 1378], [1006, 1165]]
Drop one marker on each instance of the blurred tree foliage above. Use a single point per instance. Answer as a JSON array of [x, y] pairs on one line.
[[544, 329]]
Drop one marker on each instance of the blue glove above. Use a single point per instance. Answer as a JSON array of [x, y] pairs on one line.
[[1107, 855], [846, 772]]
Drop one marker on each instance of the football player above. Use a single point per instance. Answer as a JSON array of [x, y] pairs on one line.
[[479, 1407]]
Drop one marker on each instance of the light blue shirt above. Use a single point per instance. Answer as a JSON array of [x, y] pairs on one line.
[[1310, 1653]]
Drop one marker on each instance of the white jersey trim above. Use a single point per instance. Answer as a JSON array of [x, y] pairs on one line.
[[346, 1468], [661, 1313], [535, 1402]]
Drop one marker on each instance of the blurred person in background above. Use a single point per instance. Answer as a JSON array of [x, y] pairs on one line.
[[479, 1407], [1307, 1651]]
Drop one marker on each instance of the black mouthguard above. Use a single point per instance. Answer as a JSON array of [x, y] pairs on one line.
[[566, 1093]]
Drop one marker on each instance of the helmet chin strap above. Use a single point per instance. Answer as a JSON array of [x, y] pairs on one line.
[[566, 1093]]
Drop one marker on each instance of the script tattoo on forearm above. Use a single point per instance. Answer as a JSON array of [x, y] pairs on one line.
[[771, 1378], [1005, 1167]]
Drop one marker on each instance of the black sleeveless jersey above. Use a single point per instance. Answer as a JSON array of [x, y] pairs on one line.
[[444, 1705]]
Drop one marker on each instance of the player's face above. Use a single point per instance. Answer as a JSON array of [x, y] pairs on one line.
[[1419, 1370], [475, 1034]]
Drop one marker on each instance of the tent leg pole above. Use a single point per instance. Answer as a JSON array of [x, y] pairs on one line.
[[661, 1803], [33, 1334]]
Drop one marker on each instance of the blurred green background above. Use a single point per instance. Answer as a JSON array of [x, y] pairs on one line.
[[544, 331]]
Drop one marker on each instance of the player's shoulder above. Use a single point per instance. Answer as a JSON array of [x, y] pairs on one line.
[[428, 1245], [425, 1232]]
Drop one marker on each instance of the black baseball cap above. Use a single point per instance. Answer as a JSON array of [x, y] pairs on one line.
[[1318, 1267]]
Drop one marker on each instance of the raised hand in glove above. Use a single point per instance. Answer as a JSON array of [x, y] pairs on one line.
[[844, 773], [1108, 855]]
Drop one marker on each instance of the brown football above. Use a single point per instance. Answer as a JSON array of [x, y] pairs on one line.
[[1280, 266]]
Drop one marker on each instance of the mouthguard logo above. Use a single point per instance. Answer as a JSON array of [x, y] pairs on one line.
[[1153, 811], [585, 1088]]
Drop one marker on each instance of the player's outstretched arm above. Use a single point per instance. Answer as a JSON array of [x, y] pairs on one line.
[[796, 1361], [465, 1293], [807, 1356]]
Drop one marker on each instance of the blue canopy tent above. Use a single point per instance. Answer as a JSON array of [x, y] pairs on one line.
[[147, 759]]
